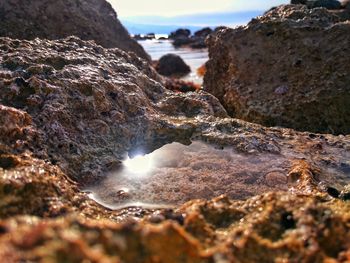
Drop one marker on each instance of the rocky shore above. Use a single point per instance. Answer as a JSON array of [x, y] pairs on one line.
[[287, 68], [71, 109], [183, 37]]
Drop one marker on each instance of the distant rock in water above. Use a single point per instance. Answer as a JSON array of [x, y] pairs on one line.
[[298, 2], [203, 33], [182, 37], [172, 65], [288, 68], [329, 4], [148, 36], [89, 20], [181, 32]]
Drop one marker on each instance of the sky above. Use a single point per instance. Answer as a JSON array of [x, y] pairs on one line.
[[127, 8]]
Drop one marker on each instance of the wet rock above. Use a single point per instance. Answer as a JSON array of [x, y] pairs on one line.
[[89, 20], [70, 109], [179, 33], [85, 104], [172, 65], [256, 83], [329, 4]]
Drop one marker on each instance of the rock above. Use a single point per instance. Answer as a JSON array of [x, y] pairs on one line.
[[89, 20], [70, 109], [203, 33], [86, 97], [186, 33], [264, 228], [183, 37], [329, 4], [198, 43], [298, 2], [281, 63], [182, 41], [217, 29], [148, 36], [172, 65], [137, 37]]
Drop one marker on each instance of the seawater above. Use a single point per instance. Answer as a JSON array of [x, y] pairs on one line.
[[176, 173], [195, 58]]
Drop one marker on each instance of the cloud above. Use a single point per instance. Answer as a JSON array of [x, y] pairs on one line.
[[126, 8]]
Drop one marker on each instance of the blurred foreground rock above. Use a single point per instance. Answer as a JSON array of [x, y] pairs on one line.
[[54, 19]]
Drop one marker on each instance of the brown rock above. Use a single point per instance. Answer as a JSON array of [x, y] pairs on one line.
[[287, 68], [172, 65], [89, 20], [264, 228], [181, 32], [87, 102], [72, 109]]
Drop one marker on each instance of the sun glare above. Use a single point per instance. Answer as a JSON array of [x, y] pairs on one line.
[[140, 164]]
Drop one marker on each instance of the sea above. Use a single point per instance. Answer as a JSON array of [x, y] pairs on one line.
[[195, 58]]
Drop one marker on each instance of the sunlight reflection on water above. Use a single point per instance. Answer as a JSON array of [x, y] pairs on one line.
[[177, 173]]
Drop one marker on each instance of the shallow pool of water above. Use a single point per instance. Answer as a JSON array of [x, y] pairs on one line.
[[178, 173]]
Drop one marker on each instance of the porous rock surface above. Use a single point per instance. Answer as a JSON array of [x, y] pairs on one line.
[[51, 19], [286, 68], [87, 101], [71, 109]]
